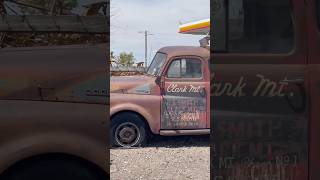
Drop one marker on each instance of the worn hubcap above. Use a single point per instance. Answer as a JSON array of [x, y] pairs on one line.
[[127, 134]]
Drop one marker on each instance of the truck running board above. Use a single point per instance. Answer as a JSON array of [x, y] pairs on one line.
[[184, 132]]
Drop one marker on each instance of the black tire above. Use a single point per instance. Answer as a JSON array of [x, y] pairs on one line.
[[128, 130], [54, 169]]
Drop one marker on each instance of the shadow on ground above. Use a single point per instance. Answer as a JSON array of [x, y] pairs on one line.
[[175, 142], [179, 141]]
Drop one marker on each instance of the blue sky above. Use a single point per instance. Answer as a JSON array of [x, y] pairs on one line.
[[160, 17]]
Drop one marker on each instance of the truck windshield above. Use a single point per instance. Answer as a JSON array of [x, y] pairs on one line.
[[156, 64]]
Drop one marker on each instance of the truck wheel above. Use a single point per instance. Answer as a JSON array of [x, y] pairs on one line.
[[53, 169], [128, 130]]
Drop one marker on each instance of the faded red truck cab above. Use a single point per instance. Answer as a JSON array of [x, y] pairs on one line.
[[266, 125], [171, 98]]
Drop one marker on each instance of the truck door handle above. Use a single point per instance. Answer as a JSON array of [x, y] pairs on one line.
[[301, 90], [203, 92], [298, 81]]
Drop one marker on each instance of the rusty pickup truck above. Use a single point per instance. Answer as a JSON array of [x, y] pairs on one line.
[[53, 95], [171, 98], [266, 89], [50, 119]]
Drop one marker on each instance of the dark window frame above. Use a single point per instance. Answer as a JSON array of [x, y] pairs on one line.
[[226, 23], [317, 13]]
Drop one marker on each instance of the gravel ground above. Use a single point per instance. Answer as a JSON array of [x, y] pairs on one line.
[[171, 158]]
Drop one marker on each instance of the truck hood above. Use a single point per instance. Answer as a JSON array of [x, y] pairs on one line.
[[73, 73], [132, 84]]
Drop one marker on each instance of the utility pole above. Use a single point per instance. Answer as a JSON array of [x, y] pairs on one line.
[[146, 34]]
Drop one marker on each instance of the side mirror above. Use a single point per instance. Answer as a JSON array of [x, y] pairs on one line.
[[205, 42]]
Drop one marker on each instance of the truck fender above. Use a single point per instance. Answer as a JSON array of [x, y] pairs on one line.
[[152, 122], [67, 143]]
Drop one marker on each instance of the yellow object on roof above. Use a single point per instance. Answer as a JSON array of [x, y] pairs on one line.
[[201, 27]]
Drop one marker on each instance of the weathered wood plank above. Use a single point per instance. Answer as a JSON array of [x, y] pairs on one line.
[[45, 23], [127, 69]]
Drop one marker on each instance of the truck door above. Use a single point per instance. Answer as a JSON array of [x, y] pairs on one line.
[[258, 93], [313, 19], [184, 99]]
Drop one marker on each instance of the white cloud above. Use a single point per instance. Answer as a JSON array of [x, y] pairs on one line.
[[160, 17]]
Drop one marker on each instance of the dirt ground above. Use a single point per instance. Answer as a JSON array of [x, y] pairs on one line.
[[172, 158]]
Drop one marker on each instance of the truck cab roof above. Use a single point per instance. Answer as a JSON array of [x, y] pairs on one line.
[[173, 51]]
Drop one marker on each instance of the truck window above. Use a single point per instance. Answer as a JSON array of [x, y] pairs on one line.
[[156, 64], [253, 26], [185, 68]]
